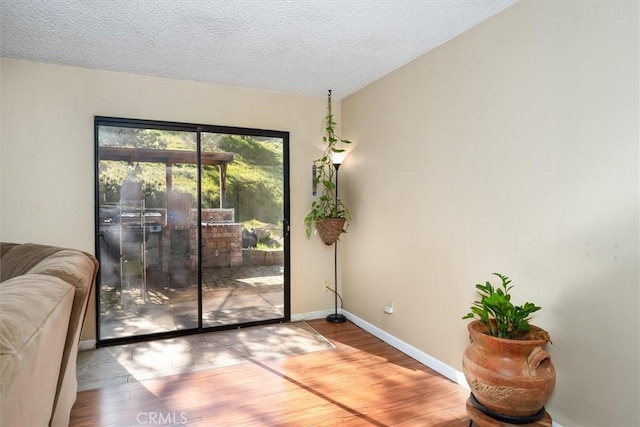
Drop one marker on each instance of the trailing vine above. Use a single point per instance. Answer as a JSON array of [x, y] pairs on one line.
[[327, 205]]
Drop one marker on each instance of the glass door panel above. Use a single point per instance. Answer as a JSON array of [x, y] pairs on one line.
[[191, 228], [242, 223], [147, 231]]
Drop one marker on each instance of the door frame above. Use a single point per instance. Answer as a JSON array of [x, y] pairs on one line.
[[198, 129]]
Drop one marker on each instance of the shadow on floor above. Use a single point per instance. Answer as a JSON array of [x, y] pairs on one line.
[[153, 359]]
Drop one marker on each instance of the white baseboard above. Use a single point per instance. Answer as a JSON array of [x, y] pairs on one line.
[[87, 345], [422, 357]]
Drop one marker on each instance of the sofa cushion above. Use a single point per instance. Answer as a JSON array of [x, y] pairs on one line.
[[34, 318]]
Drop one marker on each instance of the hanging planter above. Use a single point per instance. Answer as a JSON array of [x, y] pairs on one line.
[[328, 213], [329, 229]]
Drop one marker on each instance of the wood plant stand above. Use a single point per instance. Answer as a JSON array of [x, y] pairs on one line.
[[478, 419]]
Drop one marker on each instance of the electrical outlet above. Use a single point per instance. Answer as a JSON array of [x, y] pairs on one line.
[[325, 286], [389, 308]]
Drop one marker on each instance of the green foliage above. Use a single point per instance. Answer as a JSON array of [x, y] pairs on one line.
[[254, 178], [327, 205], [255, 191], [252, 151], [496, 311], [112, 174], [146, 138]]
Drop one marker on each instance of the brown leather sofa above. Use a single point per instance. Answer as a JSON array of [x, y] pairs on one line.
[[44, 292]]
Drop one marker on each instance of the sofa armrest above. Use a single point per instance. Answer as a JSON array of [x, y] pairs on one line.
[[34, 317], [75, 268]]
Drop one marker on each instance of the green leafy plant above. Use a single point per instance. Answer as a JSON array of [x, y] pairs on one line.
[[327, 205], [498, 314]]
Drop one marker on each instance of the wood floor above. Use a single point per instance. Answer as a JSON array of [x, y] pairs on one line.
[[362, 382]]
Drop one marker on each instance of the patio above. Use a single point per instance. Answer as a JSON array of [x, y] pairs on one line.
[[230, 295]]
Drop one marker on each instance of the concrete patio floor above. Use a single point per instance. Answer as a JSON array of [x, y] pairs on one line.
[[231, 295]]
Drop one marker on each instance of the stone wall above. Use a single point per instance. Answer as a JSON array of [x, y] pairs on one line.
[[221, 245], [214, 215], [260, 257]]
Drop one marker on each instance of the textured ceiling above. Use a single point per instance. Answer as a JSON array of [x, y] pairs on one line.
[[292, 46]]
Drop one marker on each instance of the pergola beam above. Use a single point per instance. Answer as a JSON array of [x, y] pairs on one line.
[[152, 155], [169, 157]]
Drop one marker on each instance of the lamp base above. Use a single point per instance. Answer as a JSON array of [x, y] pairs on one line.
[[336, 318]]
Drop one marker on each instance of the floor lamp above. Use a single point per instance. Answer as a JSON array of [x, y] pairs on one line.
[[336, 317]]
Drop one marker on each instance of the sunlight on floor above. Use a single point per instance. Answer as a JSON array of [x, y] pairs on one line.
[[153, 359]]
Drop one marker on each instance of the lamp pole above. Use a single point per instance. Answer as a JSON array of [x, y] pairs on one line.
[[335, 317]]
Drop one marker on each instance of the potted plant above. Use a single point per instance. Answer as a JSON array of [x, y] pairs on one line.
[[328, 213], [510, 374]]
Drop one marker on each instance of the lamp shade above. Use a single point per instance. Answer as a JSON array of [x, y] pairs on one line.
[[338, 158]]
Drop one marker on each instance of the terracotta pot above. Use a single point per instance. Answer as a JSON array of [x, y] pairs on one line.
[[512, 377], [329, 229]]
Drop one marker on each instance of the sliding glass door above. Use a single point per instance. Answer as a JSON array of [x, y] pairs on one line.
[[242, 224], [191, 228]]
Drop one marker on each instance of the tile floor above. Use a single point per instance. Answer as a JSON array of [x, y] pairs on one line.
[[152, 359]]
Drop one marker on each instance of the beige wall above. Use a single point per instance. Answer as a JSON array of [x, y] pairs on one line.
[[47, 144], [512, 148]]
